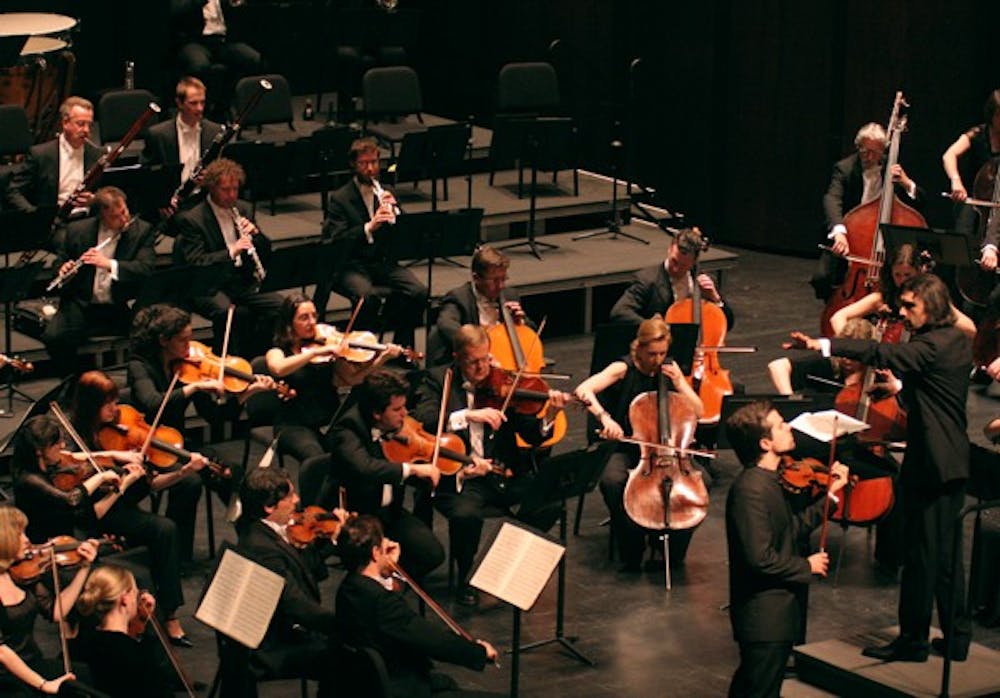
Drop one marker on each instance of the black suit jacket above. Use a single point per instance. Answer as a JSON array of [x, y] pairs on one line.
[[134, 252], [371, 616], [36, 182], [934, 367], [651, 293], [363, 466], [300, 602], [847, 186], [200, 242], [458, 307], [346, 215], [768, 579], [161, 146]]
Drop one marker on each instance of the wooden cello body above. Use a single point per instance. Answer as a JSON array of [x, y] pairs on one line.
[[864, 235], [974, 283]]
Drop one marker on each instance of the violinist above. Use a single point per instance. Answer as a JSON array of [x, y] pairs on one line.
[[476, 302], [905, 264], [314, 368], [374, 484], [768, 578], [489, 437], [657, 288], [297, 642], [857, 179], [119, 662], [95, 405], [618, 384], [116, 253], [370, 615], [22, 667], [792, 374], [934, 368]]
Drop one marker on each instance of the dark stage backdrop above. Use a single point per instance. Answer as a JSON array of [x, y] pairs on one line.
[[740, 108]]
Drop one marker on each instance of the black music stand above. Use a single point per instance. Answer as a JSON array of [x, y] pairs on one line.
[[953, 249], [431, 236], [437, 152], [148, 188], [563, 477], [614, 228], [178, 285], [297, 265], [541, 140]]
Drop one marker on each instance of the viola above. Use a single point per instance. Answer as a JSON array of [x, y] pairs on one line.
[[864, 234], [130, 431], [413, 444], [860, 502], [664, 491], [73, 469], [37, 561], [202, 363], [311, 523], [362, 346]]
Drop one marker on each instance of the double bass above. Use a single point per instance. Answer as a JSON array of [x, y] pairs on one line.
[[974, 283], [864, 234]]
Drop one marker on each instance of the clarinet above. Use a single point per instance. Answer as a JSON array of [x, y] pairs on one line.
[[259, 272], [64, 277], [379, 191]]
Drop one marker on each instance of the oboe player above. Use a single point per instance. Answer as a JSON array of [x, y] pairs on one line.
[[208, 234], [116, 253]]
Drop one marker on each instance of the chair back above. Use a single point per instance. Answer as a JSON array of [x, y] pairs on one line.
[[15, 133], [365, 673], [262, 407], [528, 88], [275, 107], [391, 91], [117, 110]]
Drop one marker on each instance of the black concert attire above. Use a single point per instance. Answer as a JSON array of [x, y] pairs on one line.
[[652, 292], [489, 495], [980, 152], [370, 615], [768, 578], [845, 192], [214, 58], [52, 512], [461, 306], [94, 302], [123, 667], [161, 145], [364, 270], [375, 486], [36, 182], [631, 537], [298, 640], [934, 368], [201, 242], [148, 384]]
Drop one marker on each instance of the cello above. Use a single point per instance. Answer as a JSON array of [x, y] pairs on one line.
[[974, 283], [864, 234]]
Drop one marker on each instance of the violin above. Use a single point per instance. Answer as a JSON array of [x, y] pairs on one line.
[[16, 363], [73, 469], [861, 501], [130, 431], [202, 363], [362, 346], [37, 561], [413, 444], [311, 523]]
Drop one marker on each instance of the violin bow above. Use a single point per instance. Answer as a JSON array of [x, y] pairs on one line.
[[159, 413], [225, 350], [73, 434], [829, 481], [67, 667], [673, 450], [442, 411], [161, 635]]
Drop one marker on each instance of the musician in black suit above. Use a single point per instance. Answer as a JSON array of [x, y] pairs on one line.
[[857, 179], [656, 288], [934, 368], [374, 484], [117, 255], [210, 234], [181, 141], [370, 615], [298, 639], [768, 578], [53, 169], [490, 439], [476, 302], [359, 227]]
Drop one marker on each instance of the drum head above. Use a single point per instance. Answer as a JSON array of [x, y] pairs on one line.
[[42, 44], [34, 23]]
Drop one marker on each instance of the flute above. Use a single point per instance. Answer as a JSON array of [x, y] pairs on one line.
[[258, 268], [379, 191], [64, 277]]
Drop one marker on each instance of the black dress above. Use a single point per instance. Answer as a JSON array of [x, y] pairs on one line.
[[17, 631], [123, 667]]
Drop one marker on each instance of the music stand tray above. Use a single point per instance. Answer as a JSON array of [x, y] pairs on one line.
[[953, 249], [178, 285], [148, 188]]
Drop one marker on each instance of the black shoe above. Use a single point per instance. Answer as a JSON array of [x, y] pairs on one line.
[[959, 653], [181, 641], [467, 596], [902, 649]]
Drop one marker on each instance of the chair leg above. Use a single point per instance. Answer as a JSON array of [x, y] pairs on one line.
[[304, 687], [579, 514], [576, 182], [216, 682], [445, 187], [210, 529]]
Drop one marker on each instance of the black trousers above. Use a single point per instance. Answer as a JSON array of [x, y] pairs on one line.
[[420, 551], [253, 321], [75, 322], [403, 309], [928, 572], [761, 670], [219, 63]]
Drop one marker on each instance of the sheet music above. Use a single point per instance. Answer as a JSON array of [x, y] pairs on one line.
[[819, 425], [241, 599], [517, 566]]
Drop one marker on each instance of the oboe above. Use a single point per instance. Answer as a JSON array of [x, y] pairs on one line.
[[379, 191], [258, 268], [64, 277]]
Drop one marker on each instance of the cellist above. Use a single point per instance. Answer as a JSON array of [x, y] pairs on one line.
[[617, 385], [857, 179]]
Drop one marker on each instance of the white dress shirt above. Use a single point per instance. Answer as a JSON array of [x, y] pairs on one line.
[[104, 277], [70, 169], [188, 146]]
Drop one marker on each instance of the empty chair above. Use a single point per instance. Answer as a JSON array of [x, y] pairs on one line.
[[117, 110], [528, 89], [275, 107], [390, 95]]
